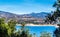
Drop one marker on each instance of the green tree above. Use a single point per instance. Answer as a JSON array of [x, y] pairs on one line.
[[34, 34], [23, 33], [23, 25], [11, 29], [17, 34], [27, 32], [30, 35], [56, 13], [3, 28], [45, 34], [48, 18], [57, 31]]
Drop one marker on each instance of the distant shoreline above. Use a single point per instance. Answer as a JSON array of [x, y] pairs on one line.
[[38, 25]]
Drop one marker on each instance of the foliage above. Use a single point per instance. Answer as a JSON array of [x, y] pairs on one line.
[[56, 13], [45, 34], [57, 32], [3, 28], [11, 25], [6, 28]]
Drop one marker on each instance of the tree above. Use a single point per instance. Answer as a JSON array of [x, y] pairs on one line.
[[48, 18], [30, 35], [23, 25], [45, 34], [11, 29], [56, 13], [34, 34], [12, 23], [57, 31], [27, 32], [23, 33], [3, 29], [17, 34]]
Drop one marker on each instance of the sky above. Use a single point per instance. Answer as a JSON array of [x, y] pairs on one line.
[[26, 6]]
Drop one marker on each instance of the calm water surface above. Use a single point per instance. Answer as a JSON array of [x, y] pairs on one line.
[[39, 29]]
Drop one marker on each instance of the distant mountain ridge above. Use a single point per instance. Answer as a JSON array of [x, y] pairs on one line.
[[28, 18], [34, 15], [37, 15], [6, 14]]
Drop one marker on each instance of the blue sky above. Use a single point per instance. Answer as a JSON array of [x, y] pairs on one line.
[[26, 6]]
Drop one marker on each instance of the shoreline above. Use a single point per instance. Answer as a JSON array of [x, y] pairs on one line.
[[38, 25]]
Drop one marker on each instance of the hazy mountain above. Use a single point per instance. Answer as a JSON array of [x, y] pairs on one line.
[[6, 14], [28, 18], [37, 15], [34, 15]]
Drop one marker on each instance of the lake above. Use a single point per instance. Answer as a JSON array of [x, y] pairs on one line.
[[39, 29]]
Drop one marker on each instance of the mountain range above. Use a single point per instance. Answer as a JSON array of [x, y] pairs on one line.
[[33, 15], [39, 15], [28, 18]]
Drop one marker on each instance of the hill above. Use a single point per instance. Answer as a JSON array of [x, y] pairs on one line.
[[32, 17]]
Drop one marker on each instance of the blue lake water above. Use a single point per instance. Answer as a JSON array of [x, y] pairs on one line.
[[39, 29]]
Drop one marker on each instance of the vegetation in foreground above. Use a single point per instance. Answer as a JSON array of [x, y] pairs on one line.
[[8, 30]]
